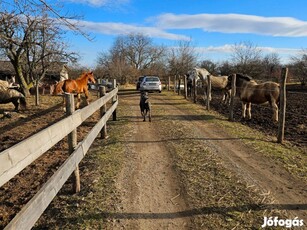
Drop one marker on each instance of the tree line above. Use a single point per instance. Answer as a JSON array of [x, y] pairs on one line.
[[32, 37], [135, 54]]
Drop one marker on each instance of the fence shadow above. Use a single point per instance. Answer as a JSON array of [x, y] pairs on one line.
[[224, 211], [19, 122]]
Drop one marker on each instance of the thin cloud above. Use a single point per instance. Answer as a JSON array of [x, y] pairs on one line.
[[228, 48], [222, 53], [110, 28], [235, 23], [100, 3]]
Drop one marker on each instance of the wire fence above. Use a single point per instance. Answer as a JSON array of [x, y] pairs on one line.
[[295, 115]]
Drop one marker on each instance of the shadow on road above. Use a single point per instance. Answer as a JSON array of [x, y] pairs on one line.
[[197, 211]]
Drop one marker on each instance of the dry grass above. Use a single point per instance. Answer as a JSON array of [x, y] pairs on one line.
[[217, 198]]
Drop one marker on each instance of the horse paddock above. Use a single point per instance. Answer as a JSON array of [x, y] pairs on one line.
[[296, 118]]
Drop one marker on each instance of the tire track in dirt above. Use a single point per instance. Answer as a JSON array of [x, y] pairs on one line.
[[289, 192], [150, 191]]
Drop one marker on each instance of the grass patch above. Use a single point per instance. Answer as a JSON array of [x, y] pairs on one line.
[[98, 172]]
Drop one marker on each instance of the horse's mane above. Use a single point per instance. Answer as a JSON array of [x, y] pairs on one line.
[[244, 76]]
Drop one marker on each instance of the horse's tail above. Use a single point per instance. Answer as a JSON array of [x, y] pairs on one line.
[[59, 88], [64, 86], [278, 98]]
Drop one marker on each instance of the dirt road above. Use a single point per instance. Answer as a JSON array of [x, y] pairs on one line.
[[149, 187], [151, 192]]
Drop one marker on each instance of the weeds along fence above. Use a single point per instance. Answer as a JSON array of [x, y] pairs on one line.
[[19, 156]]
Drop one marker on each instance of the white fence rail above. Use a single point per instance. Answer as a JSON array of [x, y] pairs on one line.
[[19, 156]]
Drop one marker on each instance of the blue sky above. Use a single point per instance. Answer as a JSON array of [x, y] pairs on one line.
[[213, 26]]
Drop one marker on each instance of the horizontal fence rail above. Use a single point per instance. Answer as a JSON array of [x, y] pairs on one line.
[[31, 212], [16, 158]]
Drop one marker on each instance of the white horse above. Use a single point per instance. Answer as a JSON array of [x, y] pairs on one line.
[[10, 83], [8, 94], [217, 83], [57, 88], [64, 73]]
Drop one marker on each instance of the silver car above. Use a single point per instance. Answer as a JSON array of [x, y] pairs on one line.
[[151, 83]]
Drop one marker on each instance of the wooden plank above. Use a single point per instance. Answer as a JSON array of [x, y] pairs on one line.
[[31, 212], [208, 92], [19, 156], [282, 103], [232, 97], [103, 109]]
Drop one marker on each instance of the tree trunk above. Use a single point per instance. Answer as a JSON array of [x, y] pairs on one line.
[[23, 83], [36, 94]]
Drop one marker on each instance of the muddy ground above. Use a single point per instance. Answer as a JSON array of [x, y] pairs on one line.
[[296, 116], [173, 195]]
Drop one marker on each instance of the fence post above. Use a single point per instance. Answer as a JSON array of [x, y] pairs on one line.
[[175, 79], [232, 97], [185, 86], [72, 140], [282, 101], [103, 110], [208, 92], [169, 82], [195, 90], [114, 99]]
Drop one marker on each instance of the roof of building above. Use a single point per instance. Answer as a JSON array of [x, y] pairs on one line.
[[6, 68]]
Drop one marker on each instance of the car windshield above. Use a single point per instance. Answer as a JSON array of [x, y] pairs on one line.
[[152, 79]]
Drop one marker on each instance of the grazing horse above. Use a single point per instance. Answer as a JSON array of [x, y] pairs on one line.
[[217, 82], [250, 92], [79, 86], [8, 95]]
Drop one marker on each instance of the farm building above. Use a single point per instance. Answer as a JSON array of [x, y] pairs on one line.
[[52, 75]]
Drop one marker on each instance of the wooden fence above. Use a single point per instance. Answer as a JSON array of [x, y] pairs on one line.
[[16, 158]]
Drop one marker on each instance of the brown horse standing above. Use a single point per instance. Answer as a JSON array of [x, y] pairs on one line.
[[250, 92], [79, 86]]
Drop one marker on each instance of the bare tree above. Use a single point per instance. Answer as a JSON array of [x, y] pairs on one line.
[[140, 51], [299, 66], [26, 41], [246, 58], [182, 58], [43, 49], [114, 64], [226, 68], [130, 56], [210, 66], [271, 66]]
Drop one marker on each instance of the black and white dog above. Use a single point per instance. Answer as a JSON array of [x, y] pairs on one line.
[[145, 105]]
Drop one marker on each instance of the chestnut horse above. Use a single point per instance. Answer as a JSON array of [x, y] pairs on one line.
[[79, 86], [250, 92]]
